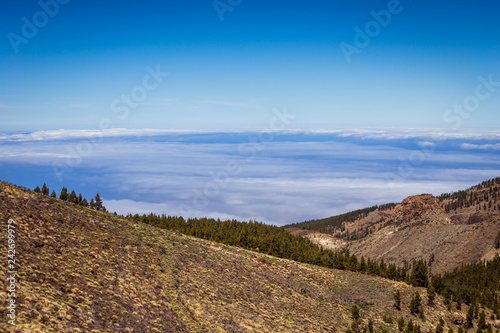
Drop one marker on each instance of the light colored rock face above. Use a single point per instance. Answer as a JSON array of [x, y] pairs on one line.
[[328, 242], [424, 208]]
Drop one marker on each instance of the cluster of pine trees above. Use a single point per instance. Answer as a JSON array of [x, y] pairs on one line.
[[278, 242], [484, 196], [416, 308], [95, 203], [475, 283], [336, 224], [473, 313]]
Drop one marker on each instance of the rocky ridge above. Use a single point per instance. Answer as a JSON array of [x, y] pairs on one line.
[[423, 208]]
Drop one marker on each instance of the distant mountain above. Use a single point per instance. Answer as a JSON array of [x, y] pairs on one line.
[[82, 270], [447, 232]]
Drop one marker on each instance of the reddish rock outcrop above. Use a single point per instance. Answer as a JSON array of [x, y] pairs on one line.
[[424, 208]]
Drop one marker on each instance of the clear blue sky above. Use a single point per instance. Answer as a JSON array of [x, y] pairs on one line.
[[230, 73]]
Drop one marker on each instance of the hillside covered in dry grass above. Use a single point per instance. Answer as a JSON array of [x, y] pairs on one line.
[[80, 270]]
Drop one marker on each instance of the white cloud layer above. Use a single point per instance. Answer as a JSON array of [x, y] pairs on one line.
[[495, 146], [435, 135], [288, 179]]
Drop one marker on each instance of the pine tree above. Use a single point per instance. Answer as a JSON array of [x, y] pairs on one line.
[[84, 203], [355, 312], [354, 326], [482, 320], [45, 189], [98, 202], [401, 324], [409, 327], [53, 194], [469, 318], [431, 294], [419, 274], [415, 303], [72, 197], [397, 299], [64, 194], [37, 189], [421, 313], [362, 263], [92, 204]]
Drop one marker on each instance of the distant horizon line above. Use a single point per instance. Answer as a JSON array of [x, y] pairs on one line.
[[387, 133]]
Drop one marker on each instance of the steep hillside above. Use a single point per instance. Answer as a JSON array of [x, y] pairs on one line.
[[80, 270], [420, 229], [448, 231]]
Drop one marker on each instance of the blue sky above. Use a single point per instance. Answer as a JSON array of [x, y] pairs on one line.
[[228, 74], [209, 76]]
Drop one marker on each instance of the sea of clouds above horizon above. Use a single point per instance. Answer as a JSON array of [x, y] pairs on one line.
[[274, 177]]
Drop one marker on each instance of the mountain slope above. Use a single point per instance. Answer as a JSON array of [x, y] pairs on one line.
[[80, 270], [431, 236], [83, 270], [449, 231]]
